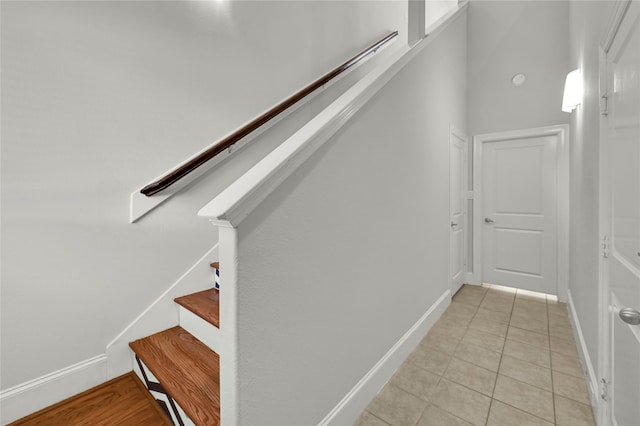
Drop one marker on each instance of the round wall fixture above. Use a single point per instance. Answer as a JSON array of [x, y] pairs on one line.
[[518, 80]]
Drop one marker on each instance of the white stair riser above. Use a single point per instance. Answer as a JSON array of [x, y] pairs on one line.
[[200, 329], [178, 416]]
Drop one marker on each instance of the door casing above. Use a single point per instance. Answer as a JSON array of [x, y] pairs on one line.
[[561, 132], [602, 405], [455, 133]]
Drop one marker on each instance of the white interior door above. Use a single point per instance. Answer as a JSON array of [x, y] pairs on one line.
[[519, 235], [622, 267], [457, 197]]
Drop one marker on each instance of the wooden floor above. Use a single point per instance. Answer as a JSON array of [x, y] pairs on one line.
[[121, 401]]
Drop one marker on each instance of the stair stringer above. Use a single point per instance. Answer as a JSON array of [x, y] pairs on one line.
[[157, 391], [163, 313]]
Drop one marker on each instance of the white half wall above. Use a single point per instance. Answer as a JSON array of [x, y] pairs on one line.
[[349, 252]]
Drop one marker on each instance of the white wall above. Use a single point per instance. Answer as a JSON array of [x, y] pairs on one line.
[[510, 37], [100, 97], [351, 250], [588, 20], [436, 9]]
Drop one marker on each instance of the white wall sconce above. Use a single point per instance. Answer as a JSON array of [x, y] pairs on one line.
[[573, 87]]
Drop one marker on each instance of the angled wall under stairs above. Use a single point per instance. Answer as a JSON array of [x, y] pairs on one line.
[[161, 314]]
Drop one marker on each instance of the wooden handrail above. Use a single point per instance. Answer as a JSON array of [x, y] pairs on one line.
[[189, 166]]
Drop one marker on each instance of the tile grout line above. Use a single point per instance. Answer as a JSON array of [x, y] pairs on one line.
[[476, 303], [520, 409], [424, 369], [509, 405], [440, 377], [500, 363], [494, 385], [526, 383], [382, 420], [476, 308], [449, 362]]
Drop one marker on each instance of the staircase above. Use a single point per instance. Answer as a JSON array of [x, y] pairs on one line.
[[180, 366]]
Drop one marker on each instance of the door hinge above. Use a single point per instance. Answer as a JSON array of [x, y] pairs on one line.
[[604, 389], [604, 104], [605, 247]]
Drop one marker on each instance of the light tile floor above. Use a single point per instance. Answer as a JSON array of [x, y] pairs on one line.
[[498, 357]]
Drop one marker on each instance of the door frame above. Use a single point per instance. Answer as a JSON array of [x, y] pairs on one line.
[[603, 398], [455, 132], [562, 154]]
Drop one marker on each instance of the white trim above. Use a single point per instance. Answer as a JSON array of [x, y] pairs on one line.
[[454, 131], [36, 394], [354, 403], [237, 201], [563, 196], [564, 207], [609, 45], [200, 329], [587, 367], [140, 204], [604, 199], [229, 352], [161, 314]]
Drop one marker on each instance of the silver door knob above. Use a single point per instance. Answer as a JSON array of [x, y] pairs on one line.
[[453, 224], [489, 220], [630, 316]]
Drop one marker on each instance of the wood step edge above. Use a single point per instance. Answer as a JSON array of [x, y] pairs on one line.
[[205, 304], [188, 370], [215, 265]]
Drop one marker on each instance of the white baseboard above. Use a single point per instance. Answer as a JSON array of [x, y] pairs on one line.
[[352, 405], [590, 373], [34, 395]]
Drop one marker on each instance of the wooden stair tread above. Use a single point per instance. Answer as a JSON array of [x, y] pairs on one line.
[[215, 265], [205, 304], [121, 401], [187, 369]]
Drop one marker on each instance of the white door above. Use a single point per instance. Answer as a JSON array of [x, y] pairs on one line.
[[457, 197], [519, 236], [622, 204]]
